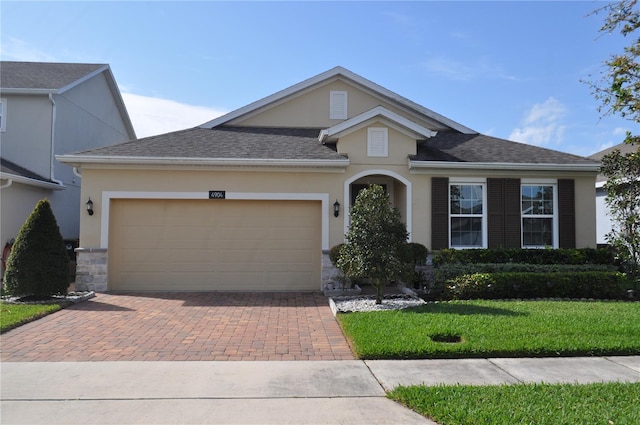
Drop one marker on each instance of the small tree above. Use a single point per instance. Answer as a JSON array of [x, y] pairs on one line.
[[623, 199], [619, 93], [375, 242], [38, 264]]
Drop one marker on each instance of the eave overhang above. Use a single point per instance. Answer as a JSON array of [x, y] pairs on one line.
[[78, 160], [424, 165], [14, 178]]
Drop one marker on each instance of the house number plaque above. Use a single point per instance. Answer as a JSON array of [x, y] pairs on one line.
[[217, 194]]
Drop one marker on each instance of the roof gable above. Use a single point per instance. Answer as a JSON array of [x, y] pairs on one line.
[[396, 121], [48, 78], [350, 77]]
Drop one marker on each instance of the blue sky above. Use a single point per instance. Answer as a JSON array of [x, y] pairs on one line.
[[507, 69]]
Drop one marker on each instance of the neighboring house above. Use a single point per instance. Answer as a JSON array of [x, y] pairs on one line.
[[253, 200], [49, 109], [603, 218]]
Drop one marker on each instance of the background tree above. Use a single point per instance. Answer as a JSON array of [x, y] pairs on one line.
[[619, 93], [39, 263], [375, 242]]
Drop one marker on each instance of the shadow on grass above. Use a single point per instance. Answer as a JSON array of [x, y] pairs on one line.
[[463, 310]]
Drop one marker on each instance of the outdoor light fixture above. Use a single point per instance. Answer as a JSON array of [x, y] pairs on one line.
[[336, 208], [89, 205]]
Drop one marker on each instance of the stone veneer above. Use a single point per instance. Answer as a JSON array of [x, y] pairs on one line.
[[330, 272], [91, 269]]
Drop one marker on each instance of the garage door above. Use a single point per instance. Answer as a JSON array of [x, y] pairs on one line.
[[214, 245]]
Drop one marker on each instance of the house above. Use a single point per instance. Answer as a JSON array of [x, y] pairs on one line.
[[47, 109], [603, 218], [253, 200]]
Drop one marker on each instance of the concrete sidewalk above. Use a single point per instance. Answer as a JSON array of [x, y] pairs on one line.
[[257, 392]]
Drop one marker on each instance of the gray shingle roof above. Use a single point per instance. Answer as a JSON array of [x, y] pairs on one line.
[[9, 167], [42, 75], [226, 143], [458, 147], [256, 143]]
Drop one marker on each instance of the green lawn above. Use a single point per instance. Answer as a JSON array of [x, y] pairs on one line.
[[12, 315], [540, 404], [496, 329]]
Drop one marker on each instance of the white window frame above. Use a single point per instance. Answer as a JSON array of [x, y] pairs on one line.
[[338, 105], [3, 114], [555, 234], [470, 181], [378, 142]]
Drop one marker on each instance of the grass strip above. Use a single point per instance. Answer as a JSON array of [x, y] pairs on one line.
[[477, 329], [13, 315], [540, 404]]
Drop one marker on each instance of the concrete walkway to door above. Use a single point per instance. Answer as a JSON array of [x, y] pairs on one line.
[[183, 326]]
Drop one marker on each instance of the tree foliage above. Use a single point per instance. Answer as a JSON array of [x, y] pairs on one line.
[[376, 241], [619, 93], [39, 263]]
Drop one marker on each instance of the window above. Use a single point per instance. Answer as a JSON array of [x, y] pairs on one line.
[[539, 217], [3, 114], [467, 217], [378, 141], [338, 105]]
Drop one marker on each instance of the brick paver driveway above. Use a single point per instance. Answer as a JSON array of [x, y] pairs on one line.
[[183, 326]]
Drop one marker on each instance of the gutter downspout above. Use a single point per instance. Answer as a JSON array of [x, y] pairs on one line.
[[7, 184], [53, 138]]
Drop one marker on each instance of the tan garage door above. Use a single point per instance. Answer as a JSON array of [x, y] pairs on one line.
[[214, 245]]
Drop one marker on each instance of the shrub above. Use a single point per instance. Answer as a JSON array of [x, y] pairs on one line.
[[39, 263], [334, 253], [416, 254], [598, 285], [528, 256], [449, 271]]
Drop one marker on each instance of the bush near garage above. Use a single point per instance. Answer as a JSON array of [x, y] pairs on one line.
[[528, 285], [39, 263]]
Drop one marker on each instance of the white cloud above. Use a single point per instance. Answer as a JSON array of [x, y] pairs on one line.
[[542, 124], [153, 115], [465, 71], [14, 49]]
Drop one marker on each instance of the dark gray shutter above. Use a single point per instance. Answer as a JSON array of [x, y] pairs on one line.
[[495, 211], [439, 213], [503, 209], [566, 213], [512, 213]]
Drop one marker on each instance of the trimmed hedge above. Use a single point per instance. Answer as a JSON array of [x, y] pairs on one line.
[[449, 271], [597, 285], [528, 256]]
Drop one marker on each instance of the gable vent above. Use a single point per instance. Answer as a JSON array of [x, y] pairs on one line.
[[378, 141], [338, 105]]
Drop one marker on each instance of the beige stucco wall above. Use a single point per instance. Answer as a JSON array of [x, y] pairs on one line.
[[333, 184], [311, 109]]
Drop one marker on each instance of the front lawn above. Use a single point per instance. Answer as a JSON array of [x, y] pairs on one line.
[[477, 329], [12, 315], [542, 404]]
